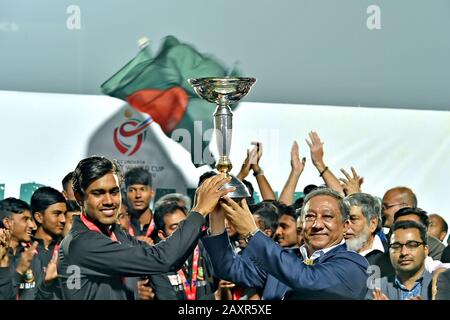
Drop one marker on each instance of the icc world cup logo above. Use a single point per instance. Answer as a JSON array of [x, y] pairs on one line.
[[132, 128]]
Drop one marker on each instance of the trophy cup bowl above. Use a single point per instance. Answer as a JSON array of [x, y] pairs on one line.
[[223, 92]]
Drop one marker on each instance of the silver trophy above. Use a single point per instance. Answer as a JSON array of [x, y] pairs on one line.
[[223, 92]]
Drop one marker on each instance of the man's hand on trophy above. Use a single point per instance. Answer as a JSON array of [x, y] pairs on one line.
[[239, 216], [209, 193]]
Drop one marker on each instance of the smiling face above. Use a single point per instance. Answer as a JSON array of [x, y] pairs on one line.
[[22, 226], [53, 219], [408, 260], [324, 226], [101, 200]]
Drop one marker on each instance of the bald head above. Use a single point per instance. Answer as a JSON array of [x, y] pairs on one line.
[[438, 227], [405, 194], [395, 199]]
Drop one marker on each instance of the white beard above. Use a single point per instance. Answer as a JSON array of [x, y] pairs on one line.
[[356, 244]]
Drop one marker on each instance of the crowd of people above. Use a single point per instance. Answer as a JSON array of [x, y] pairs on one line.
[[99, 238]]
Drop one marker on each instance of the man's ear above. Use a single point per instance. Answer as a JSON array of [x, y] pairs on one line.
[[161, 235], [373, 224], [79, 199], [39, 217], [268, 232], [8, 223]]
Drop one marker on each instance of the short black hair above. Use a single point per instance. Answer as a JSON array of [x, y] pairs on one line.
[[138, 175], [444, 225], [309, 188], [410, 225], [205, 176], [251, 191], [298, 203], [65, 181], [90, 169], [44, 197], [72, 206], [288, 210], [414, 211], [268, 212], [10, 206], [166, 208]]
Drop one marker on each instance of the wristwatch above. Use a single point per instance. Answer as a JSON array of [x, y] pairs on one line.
[[249, 235], [259, 173]]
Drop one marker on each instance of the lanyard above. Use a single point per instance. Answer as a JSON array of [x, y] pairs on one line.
[[91, 226], [56, 250], [150, 228], [131, 231], [238, 292], [191, 290]]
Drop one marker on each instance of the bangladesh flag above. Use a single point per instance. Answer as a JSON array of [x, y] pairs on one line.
[[158, 87]]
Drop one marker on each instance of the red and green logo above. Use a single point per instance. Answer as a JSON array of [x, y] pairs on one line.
[[127, 130]]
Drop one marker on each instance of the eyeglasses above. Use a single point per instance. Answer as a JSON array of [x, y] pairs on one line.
[[410, 245], [388, 206]]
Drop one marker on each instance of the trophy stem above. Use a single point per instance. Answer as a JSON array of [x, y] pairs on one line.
[[223, 125], [222, 92]]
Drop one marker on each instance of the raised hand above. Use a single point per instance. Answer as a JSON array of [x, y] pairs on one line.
[[316, 149], [26, 258], [5, 237], [297, 166], [353, 183], [256, 156], [247, 164], [51, 273], [378, 295], [209, 193]]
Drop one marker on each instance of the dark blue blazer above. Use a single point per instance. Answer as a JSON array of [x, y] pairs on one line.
[[338, 274]]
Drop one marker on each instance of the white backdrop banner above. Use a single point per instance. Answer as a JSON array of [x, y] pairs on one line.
[[45, 135]]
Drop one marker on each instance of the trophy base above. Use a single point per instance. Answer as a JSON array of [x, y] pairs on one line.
[[241, 190]]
